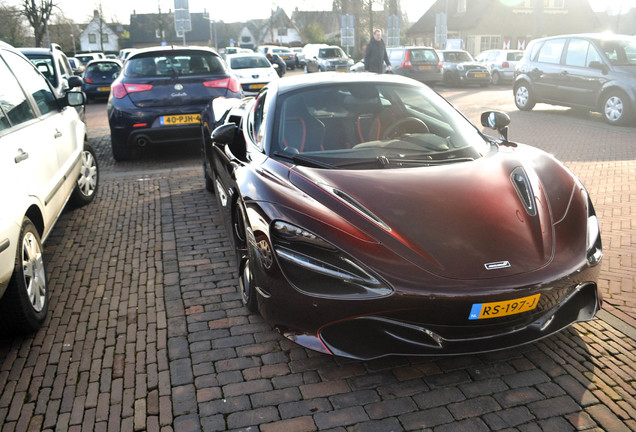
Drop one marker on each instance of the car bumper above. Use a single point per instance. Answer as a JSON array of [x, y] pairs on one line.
[[136, 128], [475, 78], [97, 90]]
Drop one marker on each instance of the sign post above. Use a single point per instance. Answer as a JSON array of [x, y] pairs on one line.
[[347, 34], [182, 23]]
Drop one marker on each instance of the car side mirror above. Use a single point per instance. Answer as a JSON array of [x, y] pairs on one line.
[[598, 65], [224, 134], [498, 121], [75, 81], [74, 99]]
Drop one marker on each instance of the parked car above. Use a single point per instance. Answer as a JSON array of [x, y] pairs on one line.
[[596, 72], [323, 58], [159, 96], [501, 64], [235, 50], [124, 53], [370, 218], [76, 66], [300, 56], [253, 71], [417, 62], [45, 162], [54, 65], [98, 77], [461, 69], [283, 52], [86, 57]]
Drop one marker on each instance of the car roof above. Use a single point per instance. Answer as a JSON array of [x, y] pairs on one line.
[[597, 36], [297, 82], [104, 60], [141, 52], [252, 54]]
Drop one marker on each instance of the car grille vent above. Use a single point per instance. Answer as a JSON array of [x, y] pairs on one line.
[[524, 190]]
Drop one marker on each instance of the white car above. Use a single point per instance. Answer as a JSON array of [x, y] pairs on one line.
[[44, 163], [253, 71], [501, 63]]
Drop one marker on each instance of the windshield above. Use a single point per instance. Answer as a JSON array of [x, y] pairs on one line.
[[620, 52], [457, 56], [249, 62], [330, 53], [372, 126], [173, 64]]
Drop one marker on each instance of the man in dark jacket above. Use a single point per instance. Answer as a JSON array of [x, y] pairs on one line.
[[275, 59], [375, 54]]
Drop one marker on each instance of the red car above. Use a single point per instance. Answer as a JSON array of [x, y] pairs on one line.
[[370, 218]]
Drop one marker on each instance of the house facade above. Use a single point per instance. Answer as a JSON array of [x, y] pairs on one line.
[[478, 25], [98, 36]]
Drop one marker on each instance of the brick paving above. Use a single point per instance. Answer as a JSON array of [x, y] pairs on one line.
[[146, 331]]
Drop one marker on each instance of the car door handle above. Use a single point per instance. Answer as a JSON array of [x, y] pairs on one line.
[[21, 156], [57, 133]]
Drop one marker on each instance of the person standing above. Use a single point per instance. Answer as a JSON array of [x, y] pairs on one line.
[[375, 54], [275, 59]]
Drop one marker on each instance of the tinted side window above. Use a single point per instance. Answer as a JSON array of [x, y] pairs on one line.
[[551, 51], [15, 107], [33, 83]]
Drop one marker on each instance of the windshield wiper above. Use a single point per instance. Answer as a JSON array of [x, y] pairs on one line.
[[304, 160], [385, 162]]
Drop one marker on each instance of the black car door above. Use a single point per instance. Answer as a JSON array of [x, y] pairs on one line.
[[546, 74], [581, 83]]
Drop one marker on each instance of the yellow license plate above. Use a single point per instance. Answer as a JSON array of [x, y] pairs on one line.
[[503, 308], [103, 88], [256, 86], [480, 75], [341, 69], [180, 119], [426, 67]]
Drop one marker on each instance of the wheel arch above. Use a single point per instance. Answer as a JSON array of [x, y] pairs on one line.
[[614, 88], [37, 218]]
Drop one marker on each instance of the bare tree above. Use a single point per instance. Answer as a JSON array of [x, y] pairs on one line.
[[38, 15], [12, 26]]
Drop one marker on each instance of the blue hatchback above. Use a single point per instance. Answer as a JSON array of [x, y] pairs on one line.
[[159, 96], [98, 76]]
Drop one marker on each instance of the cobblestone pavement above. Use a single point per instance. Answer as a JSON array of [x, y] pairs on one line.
[[146, 330]]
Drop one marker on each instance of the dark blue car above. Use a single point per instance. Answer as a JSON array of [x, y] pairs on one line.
[[159, 96], [98, 77]]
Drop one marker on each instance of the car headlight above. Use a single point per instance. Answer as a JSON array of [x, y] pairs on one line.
[[593, 241], [318, 268]]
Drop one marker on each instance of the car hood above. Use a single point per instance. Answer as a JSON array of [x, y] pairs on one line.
[[464, 220]]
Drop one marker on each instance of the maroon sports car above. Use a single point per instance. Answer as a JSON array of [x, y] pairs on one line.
[[371, 218]]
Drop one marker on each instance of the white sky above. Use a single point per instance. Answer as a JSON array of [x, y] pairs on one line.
[[81, 11], [228, 11]]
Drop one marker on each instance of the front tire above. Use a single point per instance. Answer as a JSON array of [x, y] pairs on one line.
[[242, 235], [24, 306], [523, 97], [615, 109], [88, 181]]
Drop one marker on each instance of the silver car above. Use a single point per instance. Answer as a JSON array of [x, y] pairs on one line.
[[501, 63]]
